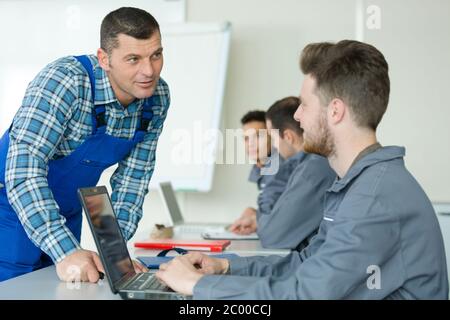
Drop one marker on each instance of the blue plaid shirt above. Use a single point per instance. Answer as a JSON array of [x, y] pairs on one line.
[[54, 119]]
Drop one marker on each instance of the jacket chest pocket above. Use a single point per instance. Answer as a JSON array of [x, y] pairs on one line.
[[331, 205]]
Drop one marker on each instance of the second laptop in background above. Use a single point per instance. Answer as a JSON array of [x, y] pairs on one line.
[[208, 230]]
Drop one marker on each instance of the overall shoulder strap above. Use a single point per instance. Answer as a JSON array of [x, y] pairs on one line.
[[98, 117], [146, 118]]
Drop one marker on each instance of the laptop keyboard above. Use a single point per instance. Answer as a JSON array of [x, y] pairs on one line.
[[146, 281]]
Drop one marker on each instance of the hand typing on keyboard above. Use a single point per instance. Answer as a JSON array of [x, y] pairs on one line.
[[183, 272]]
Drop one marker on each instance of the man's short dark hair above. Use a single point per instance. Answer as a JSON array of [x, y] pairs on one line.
[[353, 71], [133, 22], [281, 115], [254, 115]]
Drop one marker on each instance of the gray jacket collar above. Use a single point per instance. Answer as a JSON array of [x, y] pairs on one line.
[[380, 155], [298, 157]]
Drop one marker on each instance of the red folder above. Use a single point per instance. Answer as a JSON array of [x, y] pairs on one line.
[[202, 245]]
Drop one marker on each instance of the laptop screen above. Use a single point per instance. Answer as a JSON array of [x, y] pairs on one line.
[[171, 202], [104, 226]]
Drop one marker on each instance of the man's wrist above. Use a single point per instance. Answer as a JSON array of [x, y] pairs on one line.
[[56, 251]]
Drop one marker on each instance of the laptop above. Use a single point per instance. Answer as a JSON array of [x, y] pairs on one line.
[[176, 217], [207, 230], [113, 251]]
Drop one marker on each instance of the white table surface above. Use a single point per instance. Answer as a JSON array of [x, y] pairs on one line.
[[44, 283]]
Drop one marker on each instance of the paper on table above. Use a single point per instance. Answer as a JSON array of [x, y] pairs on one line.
[[227, 235]]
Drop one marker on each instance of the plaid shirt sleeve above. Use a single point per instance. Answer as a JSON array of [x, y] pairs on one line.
[[37, 129], [131, 179]]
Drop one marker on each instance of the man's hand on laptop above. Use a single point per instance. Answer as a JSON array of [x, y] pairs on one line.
[[180, 274], [246, 223], [207, 264], [82, 265]]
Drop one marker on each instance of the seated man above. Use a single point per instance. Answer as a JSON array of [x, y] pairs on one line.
[[379, 238], [291, 207], [258, 149]]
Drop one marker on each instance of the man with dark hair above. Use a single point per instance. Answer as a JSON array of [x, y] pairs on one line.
[[257, 145], [379, 238], [79, 116], [132, 22], [254, 116], [267, 161]]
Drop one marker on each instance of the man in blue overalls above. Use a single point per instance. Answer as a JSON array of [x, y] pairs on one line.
[[79, 116]]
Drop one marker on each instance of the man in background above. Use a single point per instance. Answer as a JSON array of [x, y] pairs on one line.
[[267, 161], [291, 207]]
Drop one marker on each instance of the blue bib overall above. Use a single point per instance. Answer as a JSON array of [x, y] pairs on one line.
[[82, 168]]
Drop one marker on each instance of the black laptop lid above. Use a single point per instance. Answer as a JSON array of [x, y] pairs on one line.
[[105, 229]]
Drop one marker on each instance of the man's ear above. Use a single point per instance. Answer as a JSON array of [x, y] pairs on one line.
[[289, 136], [337, 110], [103, 59]]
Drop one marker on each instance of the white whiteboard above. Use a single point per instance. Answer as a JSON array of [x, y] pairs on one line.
[[195, 66], [35, 33]]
